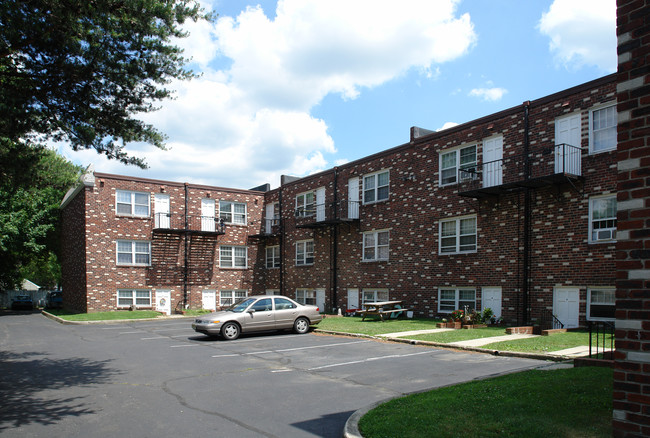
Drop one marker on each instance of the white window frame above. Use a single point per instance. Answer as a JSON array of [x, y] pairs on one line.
[[133, 297], [227, 212], [229, 259], [134, 211], [304, 208], [374, 295], [230, 296], [137, 248], [373, 249], [610, 220], [305, 248], [458, 302], [273, 257], [373, 189], [458, 235], [306, 296], [457, 166], [610, 108], [607, 290]]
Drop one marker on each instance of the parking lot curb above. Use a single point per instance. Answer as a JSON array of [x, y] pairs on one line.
[[111, 321]]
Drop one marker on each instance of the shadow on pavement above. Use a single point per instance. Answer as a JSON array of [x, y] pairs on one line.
[[25, 376]]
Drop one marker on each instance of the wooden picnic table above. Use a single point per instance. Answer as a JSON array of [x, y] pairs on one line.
[[382, 308]]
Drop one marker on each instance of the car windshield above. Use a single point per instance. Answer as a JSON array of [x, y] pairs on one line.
[[241, 306]]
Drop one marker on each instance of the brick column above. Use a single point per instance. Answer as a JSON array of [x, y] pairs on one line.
[[632, 369]]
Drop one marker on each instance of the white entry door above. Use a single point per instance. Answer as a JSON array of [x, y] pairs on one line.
[[492, 161], [161, 206], [320, 299], [568, 157], [492, 299], [164, 301], [566, 305], [207, 215], [353, 299], [353, 198], [209, 299], [320, 204]]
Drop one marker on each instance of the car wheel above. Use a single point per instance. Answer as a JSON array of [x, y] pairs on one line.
[[230, 331], [301, 326]]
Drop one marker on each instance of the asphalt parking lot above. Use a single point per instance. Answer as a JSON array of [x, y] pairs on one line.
[[160, 379]]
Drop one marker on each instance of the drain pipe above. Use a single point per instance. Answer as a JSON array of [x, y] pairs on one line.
[[527, 219], [185, 262], [335, 243]]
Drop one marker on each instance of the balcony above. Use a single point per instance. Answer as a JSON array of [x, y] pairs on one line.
[[324, 215], [180, 224], [555, 165], [271, 228]]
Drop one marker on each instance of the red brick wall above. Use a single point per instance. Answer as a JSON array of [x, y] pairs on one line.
[[632, 369], [73, 252]]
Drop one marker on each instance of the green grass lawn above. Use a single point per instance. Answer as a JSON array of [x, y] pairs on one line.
[[114, 315], [543, 344], [574, 402], [353, 324]]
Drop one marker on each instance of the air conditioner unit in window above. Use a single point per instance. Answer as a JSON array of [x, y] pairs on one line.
[[605, 234]]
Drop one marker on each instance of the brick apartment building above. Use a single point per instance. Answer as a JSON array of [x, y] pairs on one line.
[[515, 211]]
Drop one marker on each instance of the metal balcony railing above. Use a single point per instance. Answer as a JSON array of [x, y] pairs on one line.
[[549, 166], [166, 222], [342, 211]]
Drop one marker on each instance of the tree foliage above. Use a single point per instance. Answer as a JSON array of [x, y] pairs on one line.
[[79, 70], [30, 195]]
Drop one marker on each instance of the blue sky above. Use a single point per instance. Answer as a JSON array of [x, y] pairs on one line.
[[298, 86]]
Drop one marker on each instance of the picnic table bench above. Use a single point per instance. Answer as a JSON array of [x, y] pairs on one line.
[[382, 308]]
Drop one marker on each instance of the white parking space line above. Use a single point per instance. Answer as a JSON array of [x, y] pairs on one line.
[[156, 337], [131, 333], [183, 345], [284, 350], [369, 359]]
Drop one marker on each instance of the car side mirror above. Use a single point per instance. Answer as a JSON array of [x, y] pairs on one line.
[[251, 310]]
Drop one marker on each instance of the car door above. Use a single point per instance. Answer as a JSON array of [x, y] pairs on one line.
[[259, 316], [286, 312]]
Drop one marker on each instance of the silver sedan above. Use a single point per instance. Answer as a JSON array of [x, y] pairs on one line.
[[258, 313]]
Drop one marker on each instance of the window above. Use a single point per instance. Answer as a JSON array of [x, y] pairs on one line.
[[136, 297], [232, 212], [305, 253], [132, 203], [602, 129], [374, 295], [458, 235], [228, 297], [602, 219], [233, 257], [133, 252], [272, 257], [601, 304], [263, 305], [284, 304], [375, 245], [305, 204], [375, 187], [306, 296], [456, 299], [451, 162]]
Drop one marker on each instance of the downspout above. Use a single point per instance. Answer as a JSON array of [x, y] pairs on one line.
[[335, 243], [282, 237], [186, 257], [527, 219]]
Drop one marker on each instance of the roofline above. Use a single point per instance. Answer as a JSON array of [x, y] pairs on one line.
[[173, 183]]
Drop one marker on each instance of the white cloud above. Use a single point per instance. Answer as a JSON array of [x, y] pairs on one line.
[[488, 94], [247, 120], [582, 32], [447, 125]]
